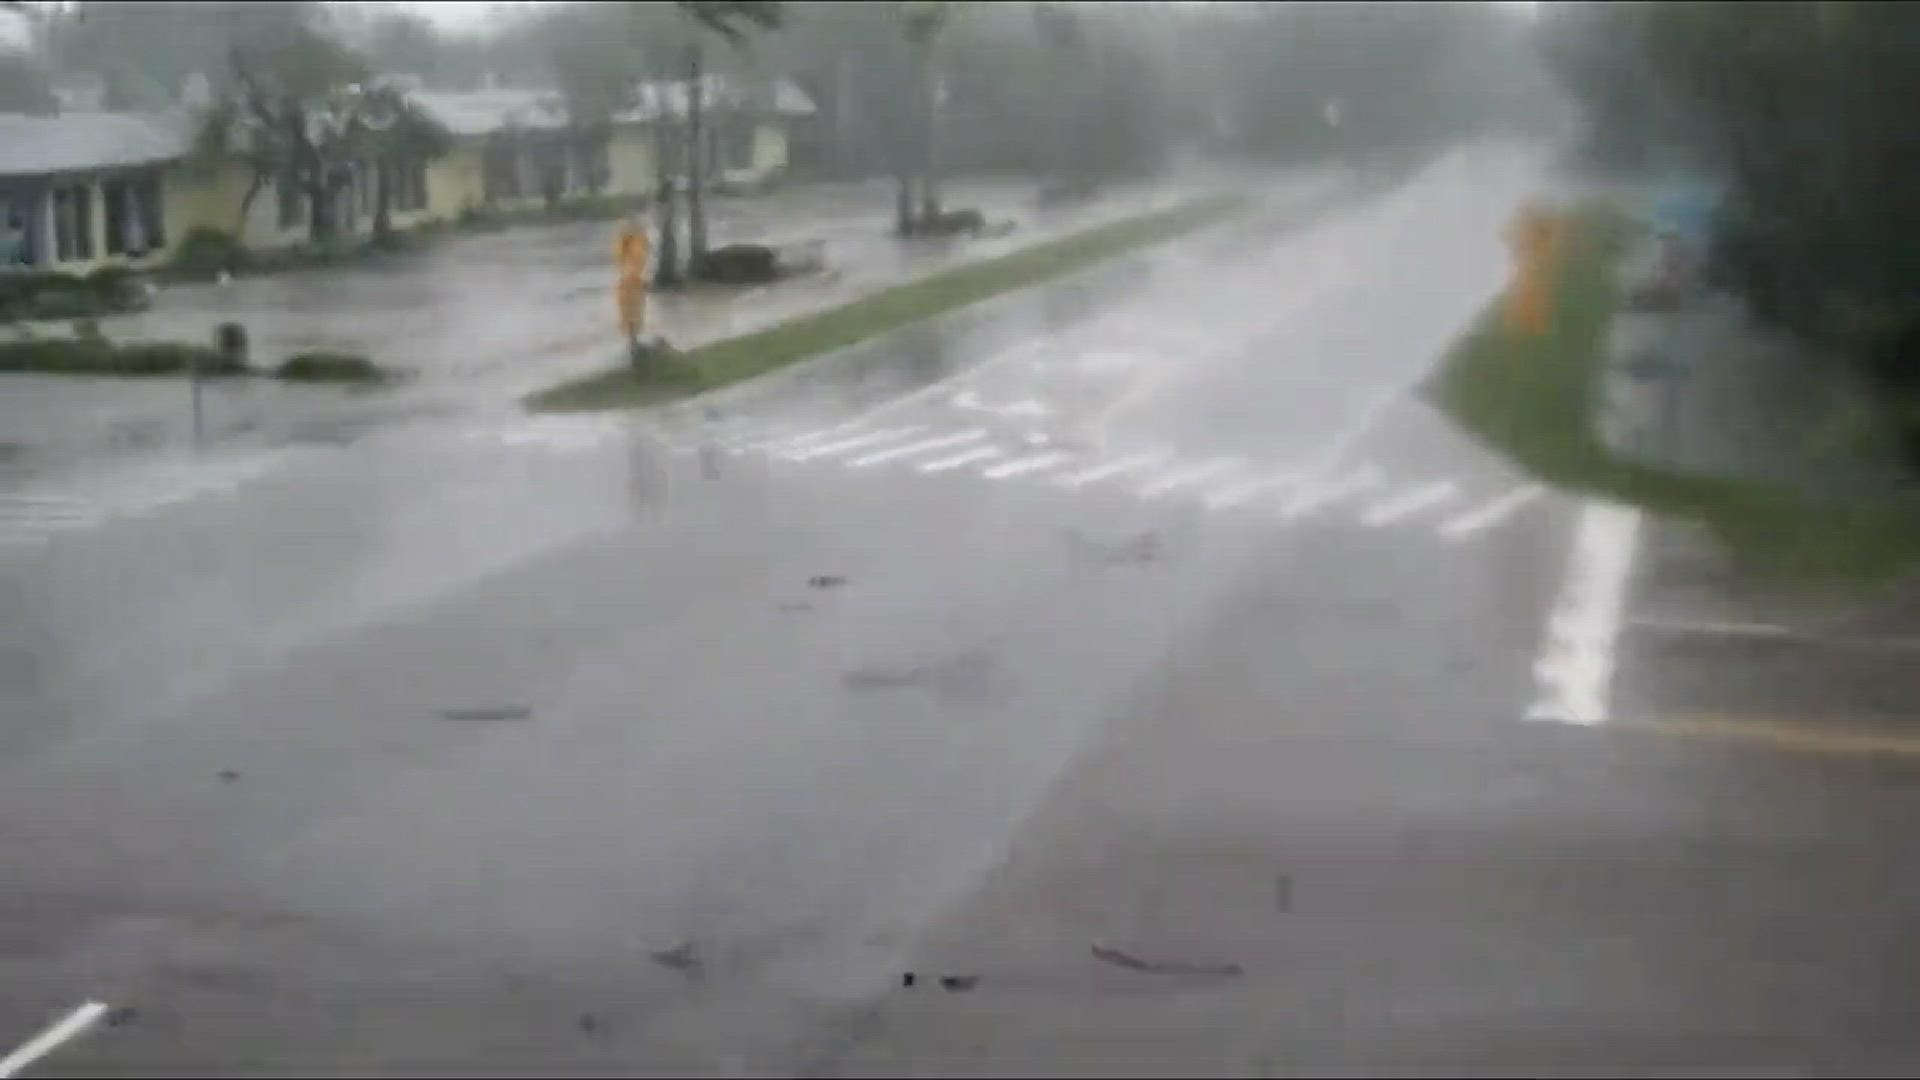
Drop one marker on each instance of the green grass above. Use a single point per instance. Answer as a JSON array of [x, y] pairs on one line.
[[735, 359], [1535, 400], [97, 356]]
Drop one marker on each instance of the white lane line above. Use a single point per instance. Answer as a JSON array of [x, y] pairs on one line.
[[921, 447], [806, 439], [1117, 467], [1187, 477], [1239, 491], [1022, 466], [71, 1025], [1358, 482], [1410, 503], [965, 457], [79, 513], [1491, 513], [841, 446], [1573, 675]]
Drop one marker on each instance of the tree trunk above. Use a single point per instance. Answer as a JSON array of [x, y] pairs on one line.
[[696, 163], [929, 136], [844, 128], [667, 262], [903, 200], [320, 210], [255, 185], [382, 201]]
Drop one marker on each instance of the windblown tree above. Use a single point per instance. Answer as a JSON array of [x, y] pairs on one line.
[[732, 21], [397, 138]]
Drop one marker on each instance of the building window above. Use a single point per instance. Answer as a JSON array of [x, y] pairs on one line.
[[501, 172], [408, 180], [289, 195], [73, 223], [150, 212], [18, 235], [589, 167], [114, 198], [739, 149]]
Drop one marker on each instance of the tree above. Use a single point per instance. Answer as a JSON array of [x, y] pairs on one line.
[[292, 117], [922, 21], [23, 86], [731, 20], [396, 137]]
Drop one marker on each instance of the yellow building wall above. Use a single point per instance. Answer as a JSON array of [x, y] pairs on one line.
[[204, 196], [455, 183], [769, 148], [630, 161]]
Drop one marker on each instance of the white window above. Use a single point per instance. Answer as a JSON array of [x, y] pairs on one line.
[[73, 222]]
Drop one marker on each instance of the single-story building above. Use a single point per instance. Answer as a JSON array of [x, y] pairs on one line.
[[85, 190]]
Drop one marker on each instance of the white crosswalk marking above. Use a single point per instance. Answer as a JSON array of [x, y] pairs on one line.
[[1411, 502], [1315, 497], [804, 440], [1117, 467], [1022, 466], [964, 457], [1187, 477], [1491, 513], [841, 446], [1239, 491], [914, 448]]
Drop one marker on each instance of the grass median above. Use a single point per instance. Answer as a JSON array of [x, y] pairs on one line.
[[744, 357], [1536, 401]]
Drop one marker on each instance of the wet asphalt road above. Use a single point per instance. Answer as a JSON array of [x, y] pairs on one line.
[[1155, 679]]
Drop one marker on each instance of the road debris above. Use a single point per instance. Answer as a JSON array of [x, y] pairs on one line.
[[488, 712], [906, 978], [826, 581], [963, 676], [228, 776], [957, 984], [1137, 551], [1166, 967], [682, 958], [121, 1017]]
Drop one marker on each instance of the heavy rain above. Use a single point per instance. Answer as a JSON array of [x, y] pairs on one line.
[[937, 538]]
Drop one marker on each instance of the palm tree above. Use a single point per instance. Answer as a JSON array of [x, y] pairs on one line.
[[732, 20], [922, 23]]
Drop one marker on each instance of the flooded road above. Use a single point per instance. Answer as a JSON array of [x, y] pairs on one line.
[[1127, 677]]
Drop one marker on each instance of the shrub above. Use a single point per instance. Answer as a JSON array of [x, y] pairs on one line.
[[98, 356], [325, 366], [55, 295], [206, 251], [118, 287], [738, 264]]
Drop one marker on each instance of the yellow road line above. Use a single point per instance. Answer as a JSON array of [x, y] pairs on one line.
[[1785, 735]]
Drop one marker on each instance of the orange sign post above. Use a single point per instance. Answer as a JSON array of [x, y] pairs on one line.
[[1534, 238], [630, 251]]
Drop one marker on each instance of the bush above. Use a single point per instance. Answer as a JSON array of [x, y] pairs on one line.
[[98, 356], [206, 251], [56, 295], [326, 366], [118, 287], [738, 264]]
